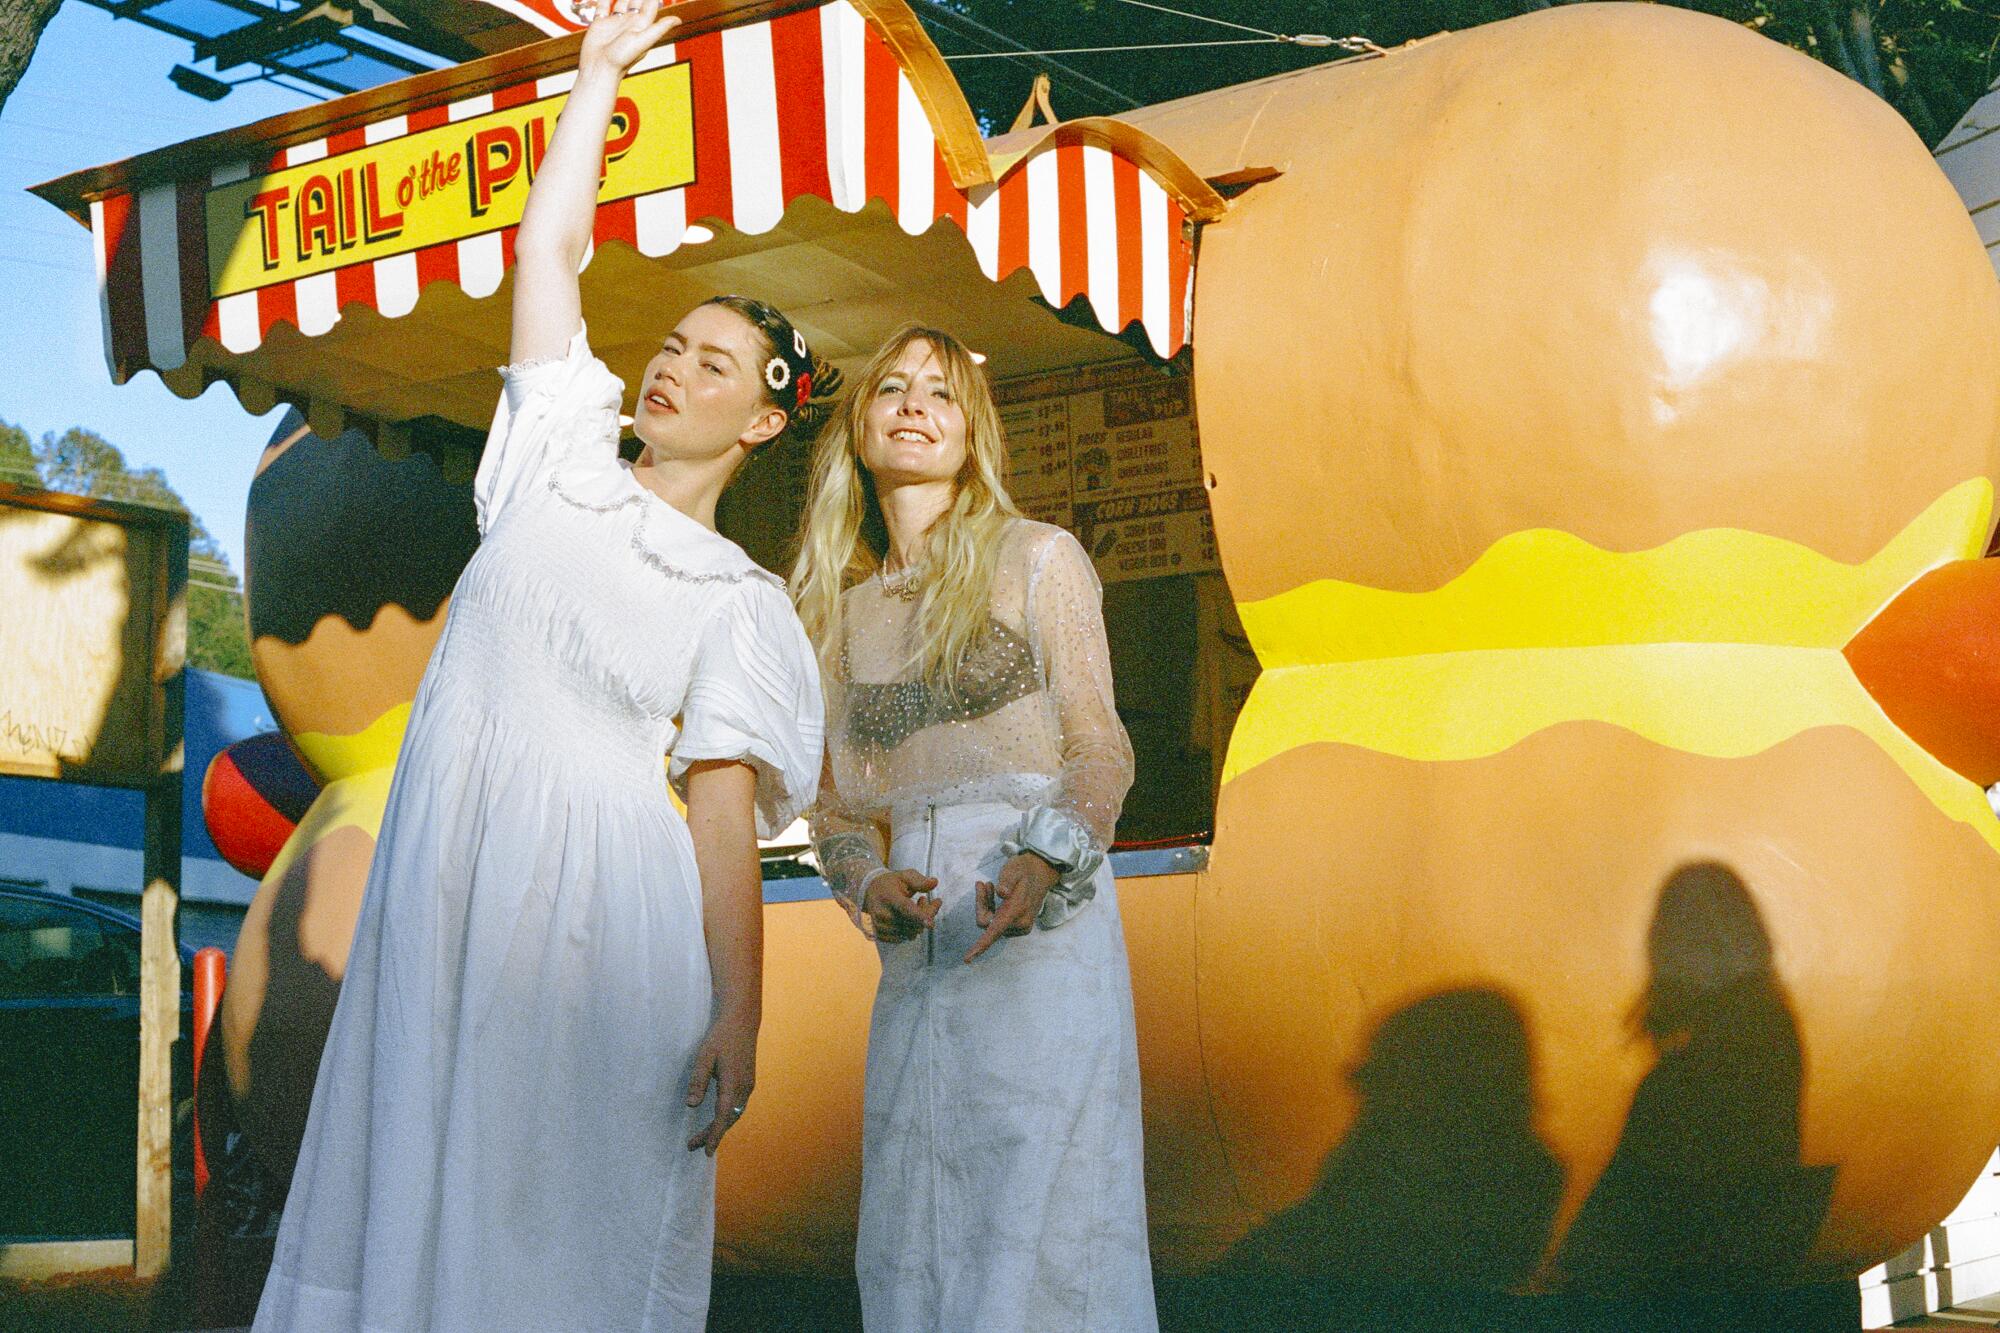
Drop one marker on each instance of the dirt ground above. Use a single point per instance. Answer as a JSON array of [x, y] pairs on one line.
[[114, 1301]]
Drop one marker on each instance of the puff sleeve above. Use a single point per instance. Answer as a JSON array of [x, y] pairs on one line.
[[755, 697], [561, 410]]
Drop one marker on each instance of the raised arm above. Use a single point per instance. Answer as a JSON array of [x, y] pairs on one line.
[[562, 204]]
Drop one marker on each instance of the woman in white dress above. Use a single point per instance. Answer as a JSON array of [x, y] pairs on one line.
[[976, 766], [549, 1017]]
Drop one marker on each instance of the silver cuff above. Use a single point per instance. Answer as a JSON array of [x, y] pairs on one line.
[[1062, 840]]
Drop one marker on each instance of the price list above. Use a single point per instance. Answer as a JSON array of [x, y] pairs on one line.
[[1110, 453], [1038, 458]]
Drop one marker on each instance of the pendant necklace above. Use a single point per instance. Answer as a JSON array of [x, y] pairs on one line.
[[904, 584]]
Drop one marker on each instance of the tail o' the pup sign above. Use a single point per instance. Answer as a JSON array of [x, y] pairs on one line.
[[441, 183]]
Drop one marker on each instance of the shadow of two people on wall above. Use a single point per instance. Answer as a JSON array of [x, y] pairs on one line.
[[1442, 1198]]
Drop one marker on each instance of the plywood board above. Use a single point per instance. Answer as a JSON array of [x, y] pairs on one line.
[[88, 637]]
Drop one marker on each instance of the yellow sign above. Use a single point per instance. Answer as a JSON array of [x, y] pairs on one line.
[[440, 184]]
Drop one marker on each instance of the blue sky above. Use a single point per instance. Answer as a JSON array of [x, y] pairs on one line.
[[96, 92]]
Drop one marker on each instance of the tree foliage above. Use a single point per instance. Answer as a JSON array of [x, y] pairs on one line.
[[83, 462], [17, 456], [1930, 59]]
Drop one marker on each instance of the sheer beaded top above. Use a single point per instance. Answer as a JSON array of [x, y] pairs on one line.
[[1031, 721]]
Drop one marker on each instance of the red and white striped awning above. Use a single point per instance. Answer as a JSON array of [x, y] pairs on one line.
[[820, 101]]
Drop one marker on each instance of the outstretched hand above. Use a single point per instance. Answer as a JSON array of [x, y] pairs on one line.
[[623, 32]]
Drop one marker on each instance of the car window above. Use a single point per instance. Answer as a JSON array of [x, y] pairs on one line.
[[50, 949]]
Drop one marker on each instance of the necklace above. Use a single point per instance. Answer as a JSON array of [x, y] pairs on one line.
[[905, 583]]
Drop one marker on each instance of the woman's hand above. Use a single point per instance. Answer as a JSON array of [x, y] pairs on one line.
[[726, 1057], [562, 202], [623, 32], [1010, 907], [893, 908]]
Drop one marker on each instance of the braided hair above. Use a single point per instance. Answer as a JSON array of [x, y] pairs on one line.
[[795, 380]]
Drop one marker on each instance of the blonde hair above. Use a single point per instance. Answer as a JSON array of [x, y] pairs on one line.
[[959, 551]]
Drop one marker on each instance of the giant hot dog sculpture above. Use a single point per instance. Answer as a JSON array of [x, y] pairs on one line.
[[1601, 411]]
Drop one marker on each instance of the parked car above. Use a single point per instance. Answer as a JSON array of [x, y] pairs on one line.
[[69, 1068]]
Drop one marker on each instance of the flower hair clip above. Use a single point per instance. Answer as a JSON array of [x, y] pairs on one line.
[[805, 389], [777, 374]]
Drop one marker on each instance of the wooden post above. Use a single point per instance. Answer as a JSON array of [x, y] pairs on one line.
[[159, 1025], [159, 940]]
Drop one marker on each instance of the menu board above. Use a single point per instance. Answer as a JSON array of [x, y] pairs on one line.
[[1109, 452]]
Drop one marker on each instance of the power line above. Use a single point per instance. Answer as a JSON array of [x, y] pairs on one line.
[[96, 132], [38, 231], [30, 159], [1200, 18], [974, 30], [197, 123], [1100, 50], [1358, 45], [38, 263]]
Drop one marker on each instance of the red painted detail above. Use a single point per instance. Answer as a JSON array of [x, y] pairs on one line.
[[124, 285], [1013, 223], [1931, 659], [1131, 241], [210, 969], [879, 84], [709, 196], [1073, 211], [799, 62], [252, 798]]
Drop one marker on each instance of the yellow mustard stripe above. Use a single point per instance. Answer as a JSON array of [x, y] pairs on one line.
[[1719, 700], [1543, 588], [375, 746], [356, 802]]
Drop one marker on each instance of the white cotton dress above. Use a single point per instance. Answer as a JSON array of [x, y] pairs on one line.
[[1002, 1185], [498, 1132]]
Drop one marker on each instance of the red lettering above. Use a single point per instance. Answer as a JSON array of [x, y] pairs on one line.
[[265, 208], [375, 222], [450, 170], [623, 134], [494, 155], [349, 220], [313, 215]]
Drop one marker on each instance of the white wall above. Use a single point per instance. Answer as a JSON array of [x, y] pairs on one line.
[[1970, 156]]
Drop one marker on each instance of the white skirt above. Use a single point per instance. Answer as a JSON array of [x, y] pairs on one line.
[[498, 1133], [1002, 1178]]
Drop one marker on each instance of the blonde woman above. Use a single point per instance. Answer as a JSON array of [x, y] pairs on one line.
[[549, 1018], [975, 770]]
